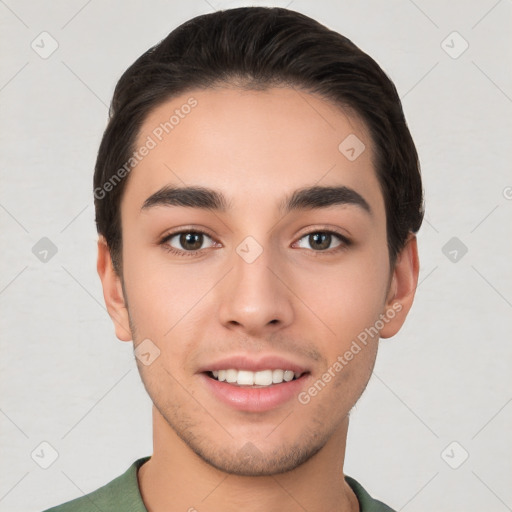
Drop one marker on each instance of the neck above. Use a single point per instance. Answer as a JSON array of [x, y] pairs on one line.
[[176, 479]]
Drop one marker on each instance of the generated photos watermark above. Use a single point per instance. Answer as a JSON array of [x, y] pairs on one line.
[[305, 397], [157, 135]]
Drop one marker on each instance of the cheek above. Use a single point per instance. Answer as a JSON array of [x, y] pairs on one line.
[[166, 302], [347, 297]]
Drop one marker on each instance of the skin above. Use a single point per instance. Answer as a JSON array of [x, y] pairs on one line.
[[256, 147]]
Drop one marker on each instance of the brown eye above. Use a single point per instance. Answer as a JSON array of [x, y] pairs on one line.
[[191, 241], [187, 240], [321, 241]]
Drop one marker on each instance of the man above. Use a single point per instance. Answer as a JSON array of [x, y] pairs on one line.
[[257, 196]]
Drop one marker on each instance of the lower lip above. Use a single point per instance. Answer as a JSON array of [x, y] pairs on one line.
[[246, 398]]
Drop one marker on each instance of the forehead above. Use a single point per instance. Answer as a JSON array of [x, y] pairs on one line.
[[255, 146]]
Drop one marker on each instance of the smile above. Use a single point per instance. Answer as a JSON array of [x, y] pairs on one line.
[[261, 378]]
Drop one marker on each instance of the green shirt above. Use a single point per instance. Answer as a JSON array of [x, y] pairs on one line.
[[123, 495]]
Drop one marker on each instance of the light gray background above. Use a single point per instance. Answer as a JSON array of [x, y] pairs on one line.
[[67, 381]]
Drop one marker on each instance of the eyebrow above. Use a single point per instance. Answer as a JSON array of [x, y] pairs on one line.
[[301, 199]]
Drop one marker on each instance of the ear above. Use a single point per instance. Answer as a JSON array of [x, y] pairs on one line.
[[113, 292], [402, 289]]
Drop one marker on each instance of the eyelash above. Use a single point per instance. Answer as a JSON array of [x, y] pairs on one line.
[[345, 242]]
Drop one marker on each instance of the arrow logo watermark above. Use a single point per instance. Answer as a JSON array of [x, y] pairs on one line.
[[44, 455], [146, 352], [44, 45], [454, 45], [351, 147], [249, 249], [454, 249], [455, 455], [44, 250]]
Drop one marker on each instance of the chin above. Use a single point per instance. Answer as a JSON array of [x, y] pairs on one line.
[[242, 457], [250, 461], [251, 451]]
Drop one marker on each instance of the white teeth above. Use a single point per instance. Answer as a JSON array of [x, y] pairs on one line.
[[263, 378], [277, 376], [245, 378], [231, 375], [288, 375], [248, 378]]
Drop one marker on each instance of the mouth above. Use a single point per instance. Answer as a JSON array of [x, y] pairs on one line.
[[255, 388], [254, 384], [257, 379]]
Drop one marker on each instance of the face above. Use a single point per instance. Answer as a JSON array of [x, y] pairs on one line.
[[253, 276]]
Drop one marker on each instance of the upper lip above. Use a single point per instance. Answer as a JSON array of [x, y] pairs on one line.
[[243, 362]]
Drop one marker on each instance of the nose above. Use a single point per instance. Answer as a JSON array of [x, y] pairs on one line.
[[255, 298]]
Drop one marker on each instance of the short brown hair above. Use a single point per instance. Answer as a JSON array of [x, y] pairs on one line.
[[257, 48]]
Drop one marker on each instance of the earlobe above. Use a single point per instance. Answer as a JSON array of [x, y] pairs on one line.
[[402, 288], [113, 292]]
